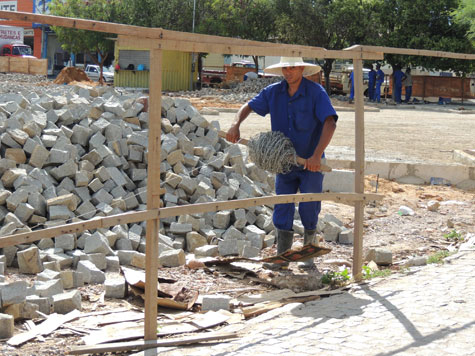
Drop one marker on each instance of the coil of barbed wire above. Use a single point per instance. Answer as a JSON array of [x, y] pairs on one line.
[[272, 151]]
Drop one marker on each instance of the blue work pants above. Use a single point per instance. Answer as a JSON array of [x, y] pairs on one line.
[[298, 180], [371, 92], [408, 93], [397, 93], [377, 92]]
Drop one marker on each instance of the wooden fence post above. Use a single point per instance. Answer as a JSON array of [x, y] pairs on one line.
[[359, 168], [153, 194]]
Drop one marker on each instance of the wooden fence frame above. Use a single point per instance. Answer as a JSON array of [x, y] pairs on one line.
[[156, 40]]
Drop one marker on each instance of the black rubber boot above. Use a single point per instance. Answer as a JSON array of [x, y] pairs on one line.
[[284, 239], [309, 237]]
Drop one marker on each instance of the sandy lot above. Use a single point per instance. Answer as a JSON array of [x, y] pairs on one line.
[[423, 133]]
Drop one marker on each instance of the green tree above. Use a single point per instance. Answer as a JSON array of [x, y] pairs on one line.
[[246, 19], [465, 14], [96, 45], [423, 24], [174, 15], [332, 24]]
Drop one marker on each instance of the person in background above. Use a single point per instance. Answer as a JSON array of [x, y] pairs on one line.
[[407, 82], [397, 82], [379, 82], [371, 83], [351, 84]]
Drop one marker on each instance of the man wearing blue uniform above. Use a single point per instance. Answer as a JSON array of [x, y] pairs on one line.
[[371, 83], [351, 83], [379, 81], [397, 78], [302, 111]]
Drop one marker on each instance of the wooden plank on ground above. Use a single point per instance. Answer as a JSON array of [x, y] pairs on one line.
[[144, 345], [263, 307], [129, 331], [53, 322]]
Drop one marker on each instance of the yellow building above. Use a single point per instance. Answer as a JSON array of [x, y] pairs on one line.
[[135, 66]]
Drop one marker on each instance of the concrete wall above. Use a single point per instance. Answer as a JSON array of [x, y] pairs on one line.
[[462, 177]]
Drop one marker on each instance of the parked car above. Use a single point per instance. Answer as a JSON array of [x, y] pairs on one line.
[[93, 71]]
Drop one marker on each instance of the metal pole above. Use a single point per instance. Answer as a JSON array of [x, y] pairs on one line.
[[194, 11], [192, 56], [43, 34]]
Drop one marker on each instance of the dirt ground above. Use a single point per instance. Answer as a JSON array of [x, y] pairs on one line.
[[393, 134], [410, 133]]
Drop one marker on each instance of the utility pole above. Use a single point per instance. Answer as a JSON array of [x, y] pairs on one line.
[[192, 54], [43, 34]]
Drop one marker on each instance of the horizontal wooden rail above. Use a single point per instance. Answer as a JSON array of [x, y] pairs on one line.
[[137, 216], [158, 38], [343, 198], [77, 227], [410, 52], [264, 49]]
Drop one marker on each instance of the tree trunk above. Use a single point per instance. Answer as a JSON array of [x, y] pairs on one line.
[[327, 68], [256, 62], [393, 85]]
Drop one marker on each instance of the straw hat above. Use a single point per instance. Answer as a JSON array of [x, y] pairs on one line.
[[309, 69]]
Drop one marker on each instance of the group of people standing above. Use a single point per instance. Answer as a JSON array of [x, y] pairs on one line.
[[376, 79]]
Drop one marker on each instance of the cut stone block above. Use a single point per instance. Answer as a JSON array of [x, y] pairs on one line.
[[91, 274], [97, 243], [207, 251], [29, 261], [380, 256], [71, 279], [331, 231], [177, 228], [172, 258], [194, 240], [250, 251], [115, 287], [99, 260], [113, 263], [66, 242], [346, 237], [215, 302], [222, 219], [228, 247], [45, 304], [7, 326], [12, 293], [67, 302], [48, 288]]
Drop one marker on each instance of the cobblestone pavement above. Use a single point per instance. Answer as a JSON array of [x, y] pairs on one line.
[[427, 311]]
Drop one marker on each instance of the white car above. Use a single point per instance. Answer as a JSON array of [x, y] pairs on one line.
[[93, 71]]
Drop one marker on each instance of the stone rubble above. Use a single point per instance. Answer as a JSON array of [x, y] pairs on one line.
[[234, 92], [72, 153]]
